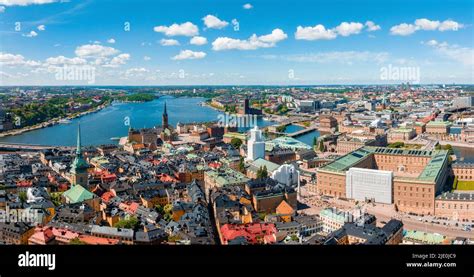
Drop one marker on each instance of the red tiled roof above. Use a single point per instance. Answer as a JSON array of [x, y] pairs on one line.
[[254, 233]]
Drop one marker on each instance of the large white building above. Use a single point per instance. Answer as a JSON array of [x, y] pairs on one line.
[[255, 145], [287, 174], [369, 184]]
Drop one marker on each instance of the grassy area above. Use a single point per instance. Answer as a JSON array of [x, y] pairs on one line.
[[464, 185]]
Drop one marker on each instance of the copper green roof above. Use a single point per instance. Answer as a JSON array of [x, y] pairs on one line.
[[78, 194], [79, 163], [430, 173]]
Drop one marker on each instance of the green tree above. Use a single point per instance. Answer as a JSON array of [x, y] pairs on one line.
[[321, 146], [236, 143], [22, 196], [131, 223], [76, 241], [262, 172], [241, 165]]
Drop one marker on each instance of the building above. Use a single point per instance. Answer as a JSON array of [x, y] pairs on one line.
[[79, 174], [368, 234], [463, 102], [438, 127], [463, 171], [369, 185], [249, 110], [400, 134], [418, 175], [327, 123], [253, 233], [255, 145], [455, 206]]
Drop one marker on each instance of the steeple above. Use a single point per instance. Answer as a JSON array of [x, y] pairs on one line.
[[164, 118], [78, 146]]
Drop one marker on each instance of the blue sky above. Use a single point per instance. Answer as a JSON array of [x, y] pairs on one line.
[[276, 42]]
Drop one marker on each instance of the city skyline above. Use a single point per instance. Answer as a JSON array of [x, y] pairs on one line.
[[234, 43]]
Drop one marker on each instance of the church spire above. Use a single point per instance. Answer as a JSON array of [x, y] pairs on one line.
[[78, 146], [165, 111]]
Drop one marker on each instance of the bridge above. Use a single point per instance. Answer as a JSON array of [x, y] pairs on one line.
[[301, 132], [30, 147]]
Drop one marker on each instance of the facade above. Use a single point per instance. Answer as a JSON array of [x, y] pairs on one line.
[[401, 134], [255, 145], [369, 184], [419, 175]]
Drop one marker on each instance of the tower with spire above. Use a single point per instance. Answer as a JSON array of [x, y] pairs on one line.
[[165, 118], [79, 175]]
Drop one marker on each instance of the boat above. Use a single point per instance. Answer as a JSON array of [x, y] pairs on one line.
[[115, 138]]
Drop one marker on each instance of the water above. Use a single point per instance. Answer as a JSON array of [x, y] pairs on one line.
[[464, 154], [98, 128]]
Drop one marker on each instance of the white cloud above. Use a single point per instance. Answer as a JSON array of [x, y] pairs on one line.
[[314, 33], [342, 57], [198, 40], [185, 29], [118, 60], [95, 50], [169, 42], [2, 9], [212, 22], [346, 29], [403, 29], [463, 55], [25, 2], [31, 34], [111, 40], [146, 58], [425, 24], [61, 60], [247, 6], [189, 55], [449, 25], [252, 43], [371, 26], [135, 72], [41, 27], [16, 60]]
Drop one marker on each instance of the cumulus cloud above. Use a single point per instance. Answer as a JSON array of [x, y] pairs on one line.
[[346, 29], [463, 55], [314, 33], [2, 9], [169, 42], [187, 29], [425, 24], [25, 2], [146, 58], [95, 50], [61, 60], [198, 40], [247, 6], [111, 40], [252, 43], [41, 27], [342, 57], [371, 26], [16, 60], [189, 55], [118, 60], [31, 34], [212, 22]]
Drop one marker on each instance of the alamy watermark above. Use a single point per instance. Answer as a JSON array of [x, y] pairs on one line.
[[19, 215], [238, 121], [400, 73], [76, 73]]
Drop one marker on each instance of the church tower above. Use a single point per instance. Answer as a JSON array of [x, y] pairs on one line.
[[165, 118], [255, 145], [79, 166]]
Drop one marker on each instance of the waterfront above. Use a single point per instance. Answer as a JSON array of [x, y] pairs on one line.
[[464, 154], [114, 121]]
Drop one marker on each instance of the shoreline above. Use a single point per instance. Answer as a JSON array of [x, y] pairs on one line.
[[51, 122], [457, 144]]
